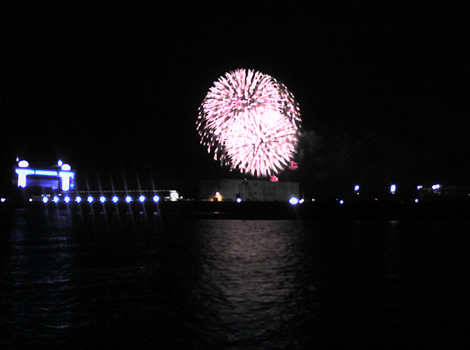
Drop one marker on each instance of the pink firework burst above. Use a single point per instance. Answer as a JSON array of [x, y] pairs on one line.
[[250, 122]]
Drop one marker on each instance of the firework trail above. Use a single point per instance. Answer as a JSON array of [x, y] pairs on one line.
[[249, 121]]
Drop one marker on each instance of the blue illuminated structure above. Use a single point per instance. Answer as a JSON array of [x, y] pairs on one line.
[[54, 186], [61, 179]]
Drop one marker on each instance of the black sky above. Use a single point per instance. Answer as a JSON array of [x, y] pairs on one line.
[[108, 86]]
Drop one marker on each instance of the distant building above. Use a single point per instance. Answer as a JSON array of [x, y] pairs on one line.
[[247, 190]]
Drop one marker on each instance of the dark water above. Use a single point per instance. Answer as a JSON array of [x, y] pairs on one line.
[[229, 284]]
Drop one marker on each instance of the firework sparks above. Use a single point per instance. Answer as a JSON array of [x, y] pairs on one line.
[[249, 121]]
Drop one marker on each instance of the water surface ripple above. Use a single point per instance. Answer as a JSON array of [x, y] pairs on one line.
[[84, 283]]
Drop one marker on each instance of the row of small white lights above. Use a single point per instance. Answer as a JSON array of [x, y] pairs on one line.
[[90, 199], [393, 188], [292, 200]]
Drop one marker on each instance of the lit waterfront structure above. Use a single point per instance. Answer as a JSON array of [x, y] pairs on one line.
[[239, 190], [56, 178], [55, 185]]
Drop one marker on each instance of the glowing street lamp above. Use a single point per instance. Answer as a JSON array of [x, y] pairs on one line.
[[356, 189], [23, 164], [294, 200]]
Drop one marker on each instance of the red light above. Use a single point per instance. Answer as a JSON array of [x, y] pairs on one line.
[[293, 165]]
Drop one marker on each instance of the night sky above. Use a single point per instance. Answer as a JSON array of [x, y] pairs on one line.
[[112, 88]]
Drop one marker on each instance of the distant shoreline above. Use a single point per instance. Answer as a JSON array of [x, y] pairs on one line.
[[263, 210]]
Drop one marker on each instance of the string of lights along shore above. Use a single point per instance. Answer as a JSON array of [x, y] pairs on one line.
[[250, 121]]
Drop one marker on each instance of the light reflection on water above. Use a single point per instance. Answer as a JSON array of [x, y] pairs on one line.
[[35, 275], [227, 284], [251, 270]]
